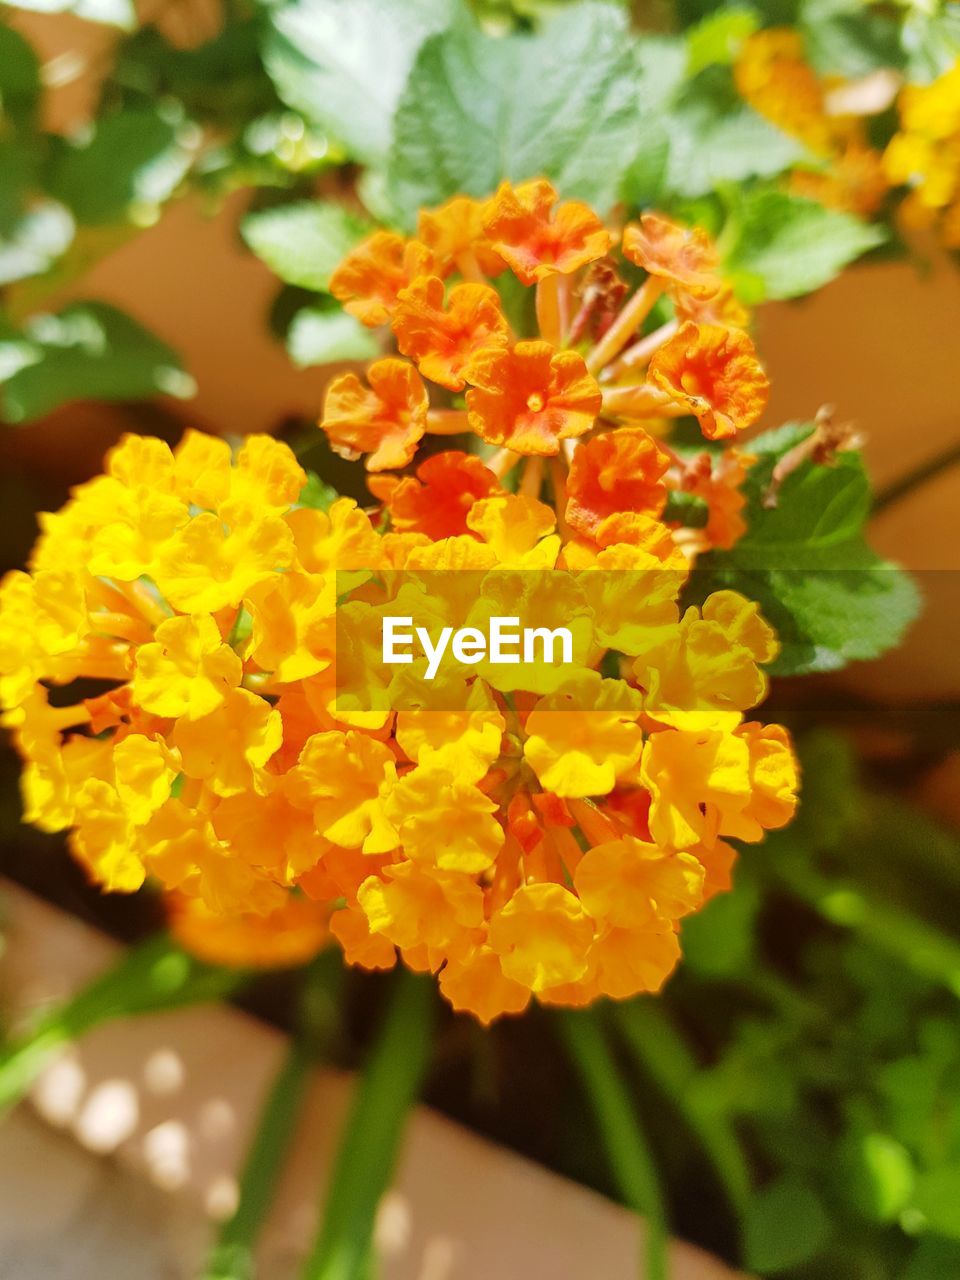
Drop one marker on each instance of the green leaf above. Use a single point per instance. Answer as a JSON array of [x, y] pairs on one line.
[[719, 940], [930, 41], [937, 1197], [132, 158], [715, 139], [718, 37], [933, 1259], [302, 242], [316, 493], [784, 1225], [87, 351], [789, 246], [112, 13], [564, 103], [35, 241], [320, 336], [877, 1175], [805, 561], [846, 38], [343, 63], [19, 77]]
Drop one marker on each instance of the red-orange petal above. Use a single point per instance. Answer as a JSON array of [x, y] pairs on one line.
[[438, 499], [617, 471], [537, 239], [531, 397], [369, 278], [712, 372], [443, 335], [385, 420]]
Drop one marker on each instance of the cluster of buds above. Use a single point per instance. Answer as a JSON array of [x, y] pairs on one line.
[[173, 664]]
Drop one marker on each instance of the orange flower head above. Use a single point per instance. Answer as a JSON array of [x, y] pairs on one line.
[[438, 499], [385, 420], [444, 337], [537, 240], [683, 257], [532, 397], [715, 374], [618, 471], [369, 278], [454, 233]]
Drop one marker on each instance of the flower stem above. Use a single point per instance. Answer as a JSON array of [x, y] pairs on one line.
[[903, 486], [157, 975], [663, 1056], [631, 1159], [232, 1257], [371, 1139], [626, 324]]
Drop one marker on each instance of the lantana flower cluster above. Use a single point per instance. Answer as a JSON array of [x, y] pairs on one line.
[[773, 74], [925, 154], [171, 662]]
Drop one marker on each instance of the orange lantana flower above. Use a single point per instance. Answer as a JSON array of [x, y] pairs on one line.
[[438, 499], [714, 373], [444, 337], [369, 278], [537, 240], [680, 256], [385, 420], [617, 471], [454, 233], [532, 397]]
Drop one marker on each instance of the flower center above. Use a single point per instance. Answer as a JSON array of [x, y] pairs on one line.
[[535, 401]]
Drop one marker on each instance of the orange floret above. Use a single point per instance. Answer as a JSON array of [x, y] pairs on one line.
[[369, 278], [537, 240], [685, 257], [714, 373], [385, 420], [438, 499], [532, 397], [454, 233], [615, 472], [445, 336]]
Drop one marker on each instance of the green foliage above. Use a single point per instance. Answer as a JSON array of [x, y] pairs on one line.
[[343, 63], [784, 1225], [324, 335], [87, 350], [717, 38], [133, 158], [805, 559], [564, 103], [302, 242], [19, 77], [786, 246]]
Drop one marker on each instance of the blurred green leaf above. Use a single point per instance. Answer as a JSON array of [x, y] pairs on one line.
[[316, 493], [344, 63], [718, 940], [717, 38], [931, 40], [135, 157], [715, 139], [35, 241], [322, 336], [87, 351], [878, 1175], [805, 561], [933, 1259], [302, 242], [19, 77], [785, 1224], [565, 103], [848, 38], [112, 13], [937, 1197], [787, 246]]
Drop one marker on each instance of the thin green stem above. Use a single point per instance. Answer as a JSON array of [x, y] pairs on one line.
[[154, 976], [631, 1160], [371, 1139], [232, 1257], [664, 1056], [903, 486]]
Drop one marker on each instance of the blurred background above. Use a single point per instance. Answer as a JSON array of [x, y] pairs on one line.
[[816, 1012]]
